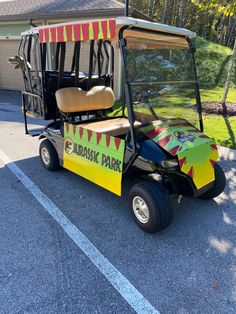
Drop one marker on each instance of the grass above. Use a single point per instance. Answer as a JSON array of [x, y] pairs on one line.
[[222, 129], [215, 94]]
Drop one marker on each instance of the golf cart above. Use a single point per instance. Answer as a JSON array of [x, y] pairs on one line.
[[155, 132]]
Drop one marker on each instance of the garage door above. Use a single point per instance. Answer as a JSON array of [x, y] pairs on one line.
[[9, 78]]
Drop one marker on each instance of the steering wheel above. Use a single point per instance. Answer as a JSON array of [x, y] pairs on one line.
[[144, 95]]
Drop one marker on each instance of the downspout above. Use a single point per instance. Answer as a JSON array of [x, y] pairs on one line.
[[126, 8]]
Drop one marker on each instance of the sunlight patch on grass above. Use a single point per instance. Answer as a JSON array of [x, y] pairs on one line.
[[216, 94], [222, 129]]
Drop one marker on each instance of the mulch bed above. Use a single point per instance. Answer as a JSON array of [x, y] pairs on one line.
[[226, 110]]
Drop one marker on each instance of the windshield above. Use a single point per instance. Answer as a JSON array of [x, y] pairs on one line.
[[162, 81]]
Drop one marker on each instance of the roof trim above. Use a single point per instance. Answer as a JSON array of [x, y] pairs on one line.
[[67, 14]]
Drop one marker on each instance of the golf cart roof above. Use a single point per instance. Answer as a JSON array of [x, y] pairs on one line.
[[100, 29]]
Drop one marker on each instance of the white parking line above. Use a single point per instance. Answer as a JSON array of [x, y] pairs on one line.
[[135, 299]]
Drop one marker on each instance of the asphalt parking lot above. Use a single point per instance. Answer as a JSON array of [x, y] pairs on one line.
[[188, 268]]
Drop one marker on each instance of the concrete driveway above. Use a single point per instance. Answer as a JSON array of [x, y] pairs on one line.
[[188, 268]]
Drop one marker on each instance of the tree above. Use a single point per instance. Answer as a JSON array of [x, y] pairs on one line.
[[227, 8]]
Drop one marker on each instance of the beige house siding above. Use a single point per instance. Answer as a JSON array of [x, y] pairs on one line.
[[9, 78]]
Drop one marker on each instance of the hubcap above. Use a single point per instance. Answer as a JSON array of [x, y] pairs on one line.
[[45, 156], [140, 209]]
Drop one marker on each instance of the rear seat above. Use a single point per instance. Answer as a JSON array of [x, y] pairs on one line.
[[73, 99]]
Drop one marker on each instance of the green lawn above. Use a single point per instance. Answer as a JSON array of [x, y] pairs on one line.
[[216, 94], [223, 130]]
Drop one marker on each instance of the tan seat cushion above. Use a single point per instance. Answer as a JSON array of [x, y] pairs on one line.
[[74, 99], [114, 127]]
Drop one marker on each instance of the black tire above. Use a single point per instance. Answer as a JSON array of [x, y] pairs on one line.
[[157, 202], [49, 156], [219, 184]]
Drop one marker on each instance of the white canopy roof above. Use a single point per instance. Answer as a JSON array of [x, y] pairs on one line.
[[121, 21]]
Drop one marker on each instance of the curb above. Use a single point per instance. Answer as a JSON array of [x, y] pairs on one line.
[[227, 153]]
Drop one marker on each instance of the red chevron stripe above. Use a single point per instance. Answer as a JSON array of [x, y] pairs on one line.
[[117, 142], [164, 141], [74, 129], [90, 133], [60, 34], [155, 132], [213, 162], [53, 34], [85, 30], [77, 32], [41, 38], [194, 130], [104, 29], [182, 162], [81, 131], [108, 140], [95, 29], [69, 32], [46, 35], [67, 128], [99, 136], [173, 151], [112, 26], [213, 146], [203, 136], [191, 172]]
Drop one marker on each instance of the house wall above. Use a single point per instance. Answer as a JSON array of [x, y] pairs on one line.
[[9, 78], [7, 30], [9, 44]]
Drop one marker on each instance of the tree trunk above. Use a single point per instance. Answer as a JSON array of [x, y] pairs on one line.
[[164, 13], [181, 11], [151, 8], [167, 11], [229, 74], [232, 29]]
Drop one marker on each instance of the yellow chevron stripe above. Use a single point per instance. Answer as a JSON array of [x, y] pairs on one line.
[[100, 33], [81, 33], [64, 34], [91, 34], [73, 34], [108, 30]]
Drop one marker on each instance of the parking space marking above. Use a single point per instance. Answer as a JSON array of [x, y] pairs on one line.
[[134, 298]]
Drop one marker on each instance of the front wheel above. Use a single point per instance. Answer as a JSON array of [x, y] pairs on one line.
[[49, 156], [219, 184], [151, 206]]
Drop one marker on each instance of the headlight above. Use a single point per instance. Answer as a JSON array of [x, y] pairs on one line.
[[169, 163]]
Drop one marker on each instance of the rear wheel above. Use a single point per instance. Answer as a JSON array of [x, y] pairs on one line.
[[49, 156], [151, 206], [219, 184]]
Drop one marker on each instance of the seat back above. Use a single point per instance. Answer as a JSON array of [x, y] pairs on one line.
[[74, 99]]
